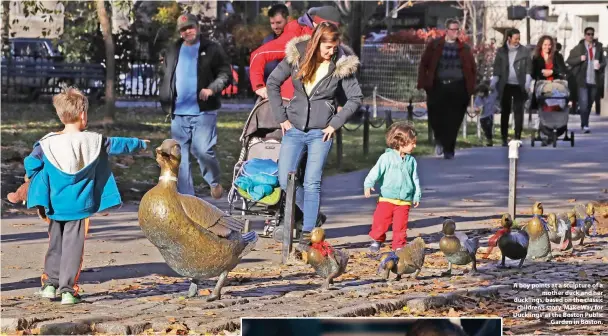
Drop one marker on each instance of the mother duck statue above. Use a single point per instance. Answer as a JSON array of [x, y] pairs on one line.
[[196, 239]]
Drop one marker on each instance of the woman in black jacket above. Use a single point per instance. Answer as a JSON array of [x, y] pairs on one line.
[[547, 64]]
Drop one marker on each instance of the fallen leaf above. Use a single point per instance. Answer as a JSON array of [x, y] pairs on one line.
[[204, 292], [538, 332], [582, 274], [572, 200]]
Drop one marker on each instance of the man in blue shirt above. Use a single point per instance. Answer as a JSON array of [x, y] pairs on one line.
[[279, 15], [196, 72]]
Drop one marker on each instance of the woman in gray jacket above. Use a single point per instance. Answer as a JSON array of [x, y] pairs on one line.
[[512, 78], [319, 66]]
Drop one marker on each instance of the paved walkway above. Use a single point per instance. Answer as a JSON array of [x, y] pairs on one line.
[[121, 266]]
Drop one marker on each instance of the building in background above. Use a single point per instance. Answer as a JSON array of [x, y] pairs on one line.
[[575, 14]]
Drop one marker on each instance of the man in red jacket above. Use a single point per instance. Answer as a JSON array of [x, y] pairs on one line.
[[275, 49]]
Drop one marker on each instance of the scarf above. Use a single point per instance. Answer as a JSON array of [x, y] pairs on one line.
[[323, 247], [494, 240]]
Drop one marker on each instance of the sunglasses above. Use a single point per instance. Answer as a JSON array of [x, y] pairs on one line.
[[590, 34]]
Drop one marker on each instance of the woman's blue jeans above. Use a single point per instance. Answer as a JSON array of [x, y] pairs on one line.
[[293, 147]]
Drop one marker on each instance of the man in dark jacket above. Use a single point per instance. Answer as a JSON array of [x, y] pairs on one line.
[[512, 78], [447, 74], [196, 72], [278, 15], [587, 61]]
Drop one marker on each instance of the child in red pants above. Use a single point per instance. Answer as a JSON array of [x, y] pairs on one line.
[[396, 172]]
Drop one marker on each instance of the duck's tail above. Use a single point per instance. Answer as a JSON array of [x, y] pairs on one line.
[[249, 238]]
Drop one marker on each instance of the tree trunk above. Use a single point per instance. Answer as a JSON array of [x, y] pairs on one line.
[[5, 27], [355, 27], [106, 29]]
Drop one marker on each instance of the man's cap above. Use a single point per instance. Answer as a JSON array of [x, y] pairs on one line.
[[325, 13], [186, 20]]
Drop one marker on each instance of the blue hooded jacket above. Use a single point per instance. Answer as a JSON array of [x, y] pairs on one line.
[[70, 174]]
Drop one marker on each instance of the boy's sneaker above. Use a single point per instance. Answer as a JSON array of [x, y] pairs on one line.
[[69, 298], [586, 130], [375, 246], [48, 291]]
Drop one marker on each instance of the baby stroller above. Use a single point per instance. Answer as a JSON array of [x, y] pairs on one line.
[[553, 112], [260, 140]]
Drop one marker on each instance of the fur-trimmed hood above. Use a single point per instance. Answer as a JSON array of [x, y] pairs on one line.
[[346, 64]]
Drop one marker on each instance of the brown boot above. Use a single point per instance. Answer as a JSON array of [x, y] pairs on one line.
[[217, 191]]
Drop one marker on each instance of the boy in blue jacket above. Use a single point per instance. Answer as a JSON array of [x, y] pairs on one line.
[[70, 179], [396, 172]]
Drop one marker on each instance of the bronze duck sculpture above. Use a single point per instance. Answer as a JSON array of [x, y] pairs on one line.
[[539, 245], [559, 231], [196, 239], [512, 244], [586, 218], [327, 262], [406, 260], [576, 230], [458, 248]]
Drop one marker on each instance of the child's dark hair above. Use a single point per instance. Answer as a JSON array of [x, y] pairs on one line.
[[400, 134], [483, 88]]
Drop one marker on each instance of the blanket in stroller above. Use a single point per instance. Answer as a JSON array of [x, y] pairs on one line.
[[258, 178], [554, 93]]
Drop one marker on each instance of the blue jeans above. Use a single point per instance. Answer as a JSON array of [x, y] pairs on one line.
[[308, 195], [196, 135], [586, 97]]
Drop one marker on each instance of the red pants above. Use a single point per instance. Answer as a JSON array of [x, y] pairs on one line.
[[386, 214]]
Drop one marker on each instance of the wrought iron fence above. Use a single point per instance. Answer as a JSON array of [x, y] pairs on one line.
[[392, 69], [27, 78]]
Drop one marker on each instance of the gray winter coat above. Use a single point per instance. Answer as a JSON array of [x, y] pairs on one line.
[[522, 65], [579, 68], [319, 110]]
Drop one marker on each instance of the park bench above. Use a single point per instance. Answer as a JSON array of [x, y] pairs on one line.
[[34, 76]]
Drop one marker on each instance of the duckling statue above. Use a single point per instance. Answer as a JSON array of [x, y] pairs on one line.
[[559, 231], [586, 218], [538, 211], [406, 260], [458, 248], [512, 244], [576, 230], [539, 244], [328, 262], [195, 238]]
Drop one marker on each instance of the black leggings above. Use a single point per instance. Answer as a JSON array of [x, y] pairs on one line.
[[515, 93]]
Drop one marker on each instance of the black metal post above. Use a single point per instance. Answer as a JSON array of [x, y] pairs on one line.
[[388, 117], [290, 204], [410, 111], [366, 131], [339, 147]]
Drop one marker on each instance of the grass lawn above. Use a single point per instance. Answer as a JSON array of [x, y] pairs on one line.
[[23, 124]]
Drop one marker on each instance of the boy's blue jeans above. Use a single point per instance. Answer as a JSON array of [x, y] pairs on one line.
[[308, 196], [196, 135]]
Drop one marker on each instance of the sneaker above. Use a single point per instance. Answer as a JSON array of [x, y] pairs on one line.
[[217, 191], [399, 249], [375, 246], [586, 130], [438, 150], [69, 298], [448, 156], [321, 219], [48, 291]]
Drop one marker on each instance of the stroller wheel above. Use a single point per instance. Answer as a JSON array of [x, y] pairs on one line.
[[554, 138], [532, 142], [278, 232], [571, 139]]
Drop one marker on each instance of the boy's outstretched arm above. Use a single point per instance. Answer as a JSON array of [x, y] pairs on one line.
[[120, 145]]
